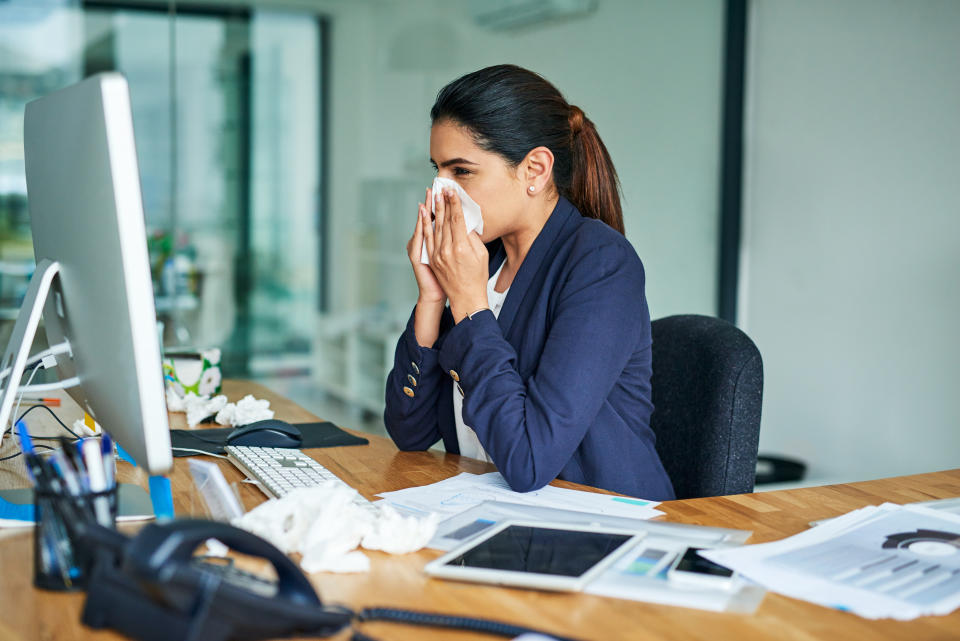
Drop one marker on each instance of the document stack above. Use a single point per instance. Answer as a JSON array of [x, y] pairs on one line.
[[887, 561]]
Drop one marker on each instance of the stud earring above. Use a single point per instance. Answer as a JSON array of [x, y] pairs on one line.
[[531, 188]]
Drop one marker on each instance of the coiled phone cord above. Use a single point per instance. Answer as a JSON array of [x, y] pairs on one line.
[[431, 619]]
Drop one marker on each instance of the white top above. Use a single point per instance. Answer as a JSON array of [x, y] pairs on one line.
[[466, 437]]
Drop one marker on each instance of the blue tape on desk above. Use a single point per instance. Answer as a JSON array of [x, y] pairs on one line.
[[12, 511], [122, 453], [16, 506], [162, 498]]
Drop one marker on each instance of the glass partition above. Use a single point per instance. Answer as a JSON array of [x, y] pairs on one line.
[[226, 108]]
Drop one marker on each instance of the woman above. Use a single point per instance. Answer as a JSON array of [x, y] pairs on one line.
[[541, 363]]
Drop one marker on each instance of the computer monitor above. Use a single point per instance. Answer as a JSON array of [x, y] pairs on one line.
[[86, 214]]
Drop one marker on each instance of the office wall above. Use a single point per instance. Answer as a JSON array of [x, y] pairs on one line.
[[647, 72], [852, 232]]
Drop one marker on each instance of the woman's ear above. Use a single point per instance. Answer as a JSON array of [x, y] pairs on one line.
[[536, 170]]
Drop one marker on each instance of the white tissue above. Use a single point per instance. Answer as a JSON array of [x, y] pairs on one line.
[[340, 524], [243, 412], [397, 534], [201, 407], [283, 522], [325, 526], [80, 427], [174, 401], [216, 548], [246, 410], [471, 210]]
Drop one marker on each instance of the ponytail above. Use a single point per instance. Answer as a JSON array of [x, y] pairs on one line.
[[510, 110], [594, 185]]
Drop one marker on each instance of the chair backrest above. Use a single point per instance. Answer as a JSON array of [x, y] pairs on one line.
[[707, 391]]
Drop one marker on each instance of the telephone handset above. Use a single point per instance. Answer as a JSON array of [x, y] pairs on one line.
[[154, 589], [164, 550]]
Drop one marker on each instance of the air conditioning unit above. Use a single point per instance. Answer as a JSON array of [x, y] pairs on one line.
[[503, 15]]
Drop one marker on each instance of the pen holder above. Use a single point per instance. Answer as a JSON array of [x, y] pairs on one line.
[[61, 559]]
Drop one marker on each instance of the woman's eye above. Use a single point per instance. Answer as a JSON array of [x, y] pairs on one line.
[[460, 171]]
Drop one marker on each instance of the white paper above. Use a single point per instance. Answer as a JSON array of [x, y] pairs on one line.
[[890, 561], [456, 529], [465, 490], [472, 217]]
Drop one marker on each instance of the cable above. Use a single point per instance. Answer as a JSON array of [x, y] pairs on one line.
[[35, 446], [41, 438], [454, 622], [55, 350], [51, 387], [190, 449], [52, 413], [16, 409]]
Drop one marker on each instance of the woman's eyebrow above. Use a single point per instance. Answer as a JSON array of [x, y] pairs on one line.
[[452, 161]]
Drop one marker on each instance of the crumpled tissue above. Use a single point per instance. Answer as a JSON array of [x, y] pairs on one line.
[[197, 408], [80, 427], [247, 410], [471, 210], [325, 526]]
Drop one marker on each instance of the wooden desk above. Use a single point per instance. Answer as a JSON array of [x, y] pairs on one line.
[[27, 613]]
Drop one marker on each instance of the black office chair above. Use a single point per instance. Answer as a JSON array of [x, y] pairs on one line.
[[707, 391]]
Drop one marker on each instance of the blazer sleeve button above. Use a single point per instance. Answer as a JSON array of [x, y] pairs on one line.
[[408, 392], [412, 380], [454, 376], [413, 366]]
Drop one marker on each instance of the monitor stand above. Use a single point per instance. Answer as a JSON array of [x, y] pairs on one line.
[[24, 331], [17, 353]]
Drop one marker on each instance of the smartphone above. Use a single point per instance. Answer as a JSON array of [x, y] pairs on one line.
[[689, 568]]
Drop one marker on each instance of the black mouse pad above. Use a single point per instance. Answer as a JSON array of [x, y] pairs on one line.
[[212, 440]]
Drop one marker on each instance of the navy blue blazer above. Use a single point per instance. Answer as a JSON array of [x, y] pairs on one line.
[[559, 385]]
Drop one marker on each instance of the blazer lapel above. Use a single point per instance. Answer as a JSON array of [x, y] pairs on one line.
[[542, 250]]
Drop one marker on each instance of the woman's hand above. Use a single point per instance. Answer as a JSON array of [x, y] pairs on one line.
[[459, 260], [430, 290], [426, 317]]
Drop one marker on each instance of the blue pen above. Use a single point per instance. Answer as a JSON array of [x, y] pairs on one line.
[[52, 532], [76, 456], [109, 463], [34, 465], [25, 443]]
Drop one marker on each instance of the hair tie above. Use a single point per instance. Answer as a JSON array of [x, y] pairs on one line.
[[576, 120]]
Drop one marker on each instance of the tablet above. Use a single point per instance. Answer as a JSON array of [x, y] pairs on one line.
[[547, 556]]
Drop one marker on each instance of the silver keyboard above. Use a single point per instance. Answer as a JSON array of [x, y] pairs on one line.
[[279, 470]]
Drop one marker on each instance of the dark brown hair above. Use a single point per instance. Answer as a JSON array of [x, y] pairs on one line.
[[510, 110]]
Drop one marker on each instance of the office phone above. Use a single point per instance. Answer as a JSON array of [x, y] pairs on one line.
[[153, 587]]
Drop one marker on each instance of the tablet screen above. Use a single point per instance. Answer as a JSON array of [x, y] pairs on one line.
[[522, 548]]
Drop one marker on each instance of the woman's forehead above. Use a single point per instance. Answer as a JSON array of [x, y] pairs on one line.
[[449, 140]]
